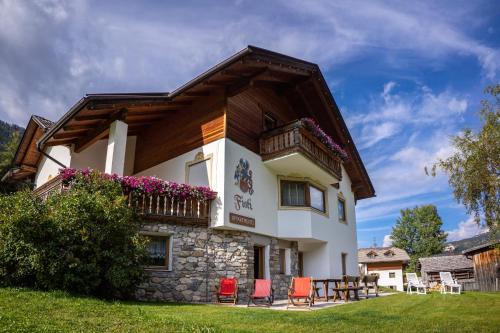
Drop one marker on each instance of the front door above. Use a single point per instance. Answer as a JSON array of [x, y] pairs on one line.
[[258, 262]]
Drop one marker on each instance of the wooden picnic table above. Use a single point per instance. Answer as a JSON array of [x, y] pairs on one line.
[[325, 283]]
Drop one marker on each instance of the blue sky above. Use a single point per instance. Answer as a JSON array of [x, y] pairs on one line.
[[406, 75]]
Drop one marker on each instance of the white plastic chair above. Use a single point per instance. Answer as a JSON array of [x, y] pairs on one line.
[[447, 282], [415, 282]]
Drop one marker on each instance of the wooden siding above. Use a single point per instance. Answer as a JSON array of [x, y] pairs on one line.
[[184, 131], [245, 115], [384, 266], [486, 269]]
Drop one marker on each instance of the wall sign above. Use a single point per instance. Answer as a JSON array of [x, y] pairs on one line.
[[242, 220], [243, 179]]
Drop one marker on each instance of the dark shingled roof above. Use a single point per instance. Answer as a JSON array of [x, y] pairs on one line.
[[44, 123], [445, 263], [382, 254]]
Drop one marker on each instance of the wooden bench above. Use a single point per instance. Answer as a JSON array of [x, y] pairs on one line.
[[345, 286]]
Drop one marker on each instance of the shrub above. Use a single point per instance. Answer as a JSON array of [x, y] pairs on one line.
[[89, 243]]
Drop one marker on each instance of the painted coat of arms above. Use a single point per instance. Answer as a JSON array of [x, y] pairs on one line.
[[243, 176]]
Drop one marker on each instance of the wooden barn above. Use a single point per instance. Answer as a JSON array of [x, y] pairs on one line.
[[486, 261]]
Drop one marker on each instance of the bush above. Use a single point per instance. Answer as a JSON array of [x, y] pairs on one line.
[[84, 241]]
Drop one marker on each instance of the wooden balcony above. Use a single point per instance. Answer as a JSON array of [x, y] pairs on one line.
[[151, 207], [295, 138], [159, 207]]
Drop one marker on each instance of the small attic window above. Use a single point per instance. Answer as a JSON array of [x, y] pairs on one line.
[[389, 253], [371, 254]]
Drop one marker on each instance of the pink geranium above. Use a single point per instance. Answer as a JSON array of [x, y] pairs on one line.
[[143, 184]]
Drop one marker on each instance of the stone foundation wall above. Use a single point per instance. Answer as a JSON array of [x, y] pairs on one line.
[[201, 256]]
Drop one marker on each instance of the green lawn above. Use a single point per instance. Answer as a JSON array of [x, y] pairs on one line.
[[33, 311]]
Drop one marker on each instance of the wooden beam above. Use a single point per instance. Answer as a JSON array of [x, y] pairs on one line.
[[68, 128], [242, 85], [196, 93], [84, 117], [59, 142], [28, 168], [100, 131], [128, 105], [70, 134]]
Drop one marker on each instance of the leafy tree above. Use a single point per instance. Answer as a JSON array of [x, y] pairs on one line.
[[418, 231], [473, 169], [85, 240], [7, 152]]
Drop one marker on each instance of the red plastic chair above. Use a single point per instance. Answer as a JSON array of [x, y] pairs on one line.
[[227, 291], [301, 288], [262, 291]]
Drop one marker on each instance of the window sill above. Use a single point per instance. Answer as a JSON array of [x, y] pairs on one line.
[[304, 208], [157, 269]]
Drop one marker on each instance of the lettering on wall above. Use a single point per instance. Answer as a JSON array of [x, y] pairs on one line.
[[242, 220], [243, 179]]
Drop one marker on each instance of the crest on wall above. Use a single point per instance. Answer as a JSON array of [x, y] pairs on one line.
[[243, 176]]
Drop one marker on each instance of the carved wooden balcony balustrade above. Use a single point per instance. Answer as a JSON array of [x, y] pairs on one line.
[[158, 206], [150, 206], [295, 138]]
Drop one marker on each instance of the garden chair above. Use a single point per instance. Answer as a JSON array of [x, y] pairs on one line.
[[227, 291], [447, 282], [301, 288], [262, 291], [371, 282], [415, 282]]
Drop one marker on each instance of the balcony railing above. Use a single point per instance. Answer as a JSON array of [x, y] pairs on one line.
[[150, 206], [154, 206], [295, 138], [54, 185]]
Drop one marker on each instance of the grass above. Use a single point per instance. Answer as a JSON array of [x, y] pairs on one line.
[[24, 310]]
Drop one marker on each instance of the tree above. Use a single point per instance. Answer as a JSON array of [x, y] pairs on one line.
[[473, 169], [418, 232], [7, 152]]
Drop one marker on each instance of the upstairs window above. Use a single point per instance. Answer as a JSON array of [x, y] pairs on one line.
[[341, 208], [302, 194], [269, 122], [392, 275]]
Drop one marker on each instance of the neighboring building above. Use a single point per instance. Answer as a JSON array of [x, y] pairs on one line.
[[387, 262], [470, 261], [285, 201], [486, 259], [460, 267]]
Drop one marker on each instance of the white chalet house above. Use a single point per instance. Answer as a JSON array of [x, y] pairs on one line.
[[286, 188], [387, 262]]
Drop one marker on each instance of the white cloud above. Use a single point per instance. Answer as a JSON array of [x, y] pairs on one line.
[[466, 229], [387, 241]]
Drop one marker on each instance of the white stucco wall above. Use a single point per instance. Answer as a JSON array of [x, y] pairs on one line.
[[322, 238], [47, 169], [94, 156], [175, 170], [386, 281]]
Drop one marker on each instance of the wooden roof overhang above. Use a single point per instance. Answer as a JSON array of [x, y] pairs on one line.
[[27, 155], [300, 81]]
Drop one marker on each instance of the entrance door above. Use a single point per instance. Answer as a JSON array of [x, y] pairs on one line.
[[258, 262]]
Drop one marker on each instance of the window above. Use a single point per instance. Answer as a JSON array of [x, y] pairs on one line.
[[392, 275], [282, 260], [344, 263], [302, 194], [341, 207], [293, 193], [317, 198], [159, 252], [269, 122], [198, 171]]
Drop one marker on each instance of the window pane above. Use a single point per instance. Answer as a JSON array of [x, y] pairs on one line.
[[293, 194], [158, 251], [317, 198], [341, 204]]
